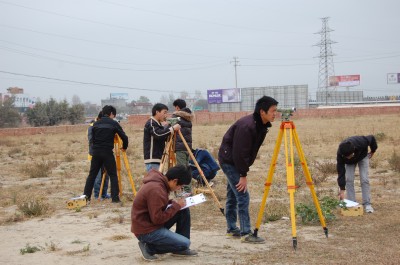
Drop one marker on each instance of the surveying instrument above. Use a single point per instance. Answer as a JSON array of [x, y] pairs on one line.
[[289, 133], [169, 158], [117, 152]]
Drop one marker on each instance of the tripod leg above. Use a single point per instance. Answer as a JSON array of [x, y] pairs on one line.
[[268, 181], [165, 157], [291, 185], [129, 172], [309, 181], [201, 172], [103, 177], [118, 162]]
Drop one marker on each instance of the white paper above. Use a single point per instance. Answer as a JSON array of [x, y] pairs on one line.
[[350, 203], [190, 201]]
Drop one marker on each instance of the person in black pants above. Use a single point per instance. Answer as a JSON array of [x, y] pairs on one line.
[[103, 132]]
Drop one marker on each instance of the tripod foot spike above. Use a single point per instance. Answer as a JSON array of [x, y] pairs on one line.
[[326, 231], [255, 232], [222, 211], [295, 243]]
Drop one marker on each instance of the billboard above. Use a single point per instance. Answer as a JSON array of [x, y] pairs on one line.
[[344, 80], [119, 96], [393, 78], [218, 96]]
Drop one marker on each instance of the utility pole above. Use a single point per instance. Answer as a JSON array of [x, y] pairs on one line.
[[235, 64], [326, 67]]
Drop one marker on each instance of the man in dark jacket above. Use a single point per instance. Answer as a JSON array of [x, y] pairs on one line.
[[185, 121], [154, 136], [103, 133], [153, 214], [237, 153], [352, 152]]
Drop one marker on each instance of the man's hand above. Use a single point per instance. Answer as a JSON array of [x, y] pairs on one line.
[[370, 155], [123, 150], [176, 127], [341, 195], [181, 202], [242, 185]]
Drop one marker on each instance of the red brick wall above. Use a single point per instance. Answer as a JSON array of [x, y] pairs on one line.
[[205, 117]]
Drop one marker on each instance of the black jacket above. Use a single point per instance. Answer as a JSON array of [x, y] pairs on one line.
[[154, 138], [186, 129], [361, 144], [103, 133], [242, 141]]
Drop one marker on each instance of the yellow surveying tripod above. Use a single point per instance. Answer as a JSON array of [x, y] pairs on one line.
[[288, 130], [117, 152]]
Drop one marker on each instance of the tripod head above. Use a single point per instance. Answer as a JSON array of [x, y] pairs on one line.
[[286, 113], [173, 121]]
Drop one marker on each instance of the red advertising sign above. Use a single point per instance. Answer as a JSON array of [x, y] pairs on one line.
[[344, 80]]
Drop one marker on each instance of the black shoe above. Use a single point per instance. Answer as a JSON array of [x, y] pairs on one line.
[[145, 254], [116, 200], [185, 253]]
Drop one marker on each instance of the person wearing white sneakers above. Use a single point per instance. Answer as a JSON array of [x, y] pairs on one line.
[[353, 151]]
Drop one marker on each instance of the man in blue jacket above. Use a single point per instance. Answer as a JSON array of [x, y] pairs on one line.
[[352, 152], [237, 153]]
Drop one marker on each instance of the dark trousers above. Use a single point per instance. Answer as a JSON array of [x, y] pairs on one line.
[[107, 160]]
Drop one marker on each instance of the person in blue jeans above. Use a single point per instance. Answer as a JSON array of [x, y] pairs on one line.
[[237, 153], [153, 214], [97, 185]]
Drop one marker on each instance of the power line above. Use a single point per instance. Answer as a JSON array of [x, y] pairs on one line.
[[87, 83]]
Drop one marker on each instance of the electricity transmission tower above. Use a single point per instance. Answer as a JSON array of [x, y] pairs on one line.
[[235, 64], [326, 67]]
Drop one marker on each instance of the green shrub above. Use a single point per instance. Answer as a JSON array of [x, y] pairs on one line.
[[380, 136], [308, 213], [29, 249], [40, 169]]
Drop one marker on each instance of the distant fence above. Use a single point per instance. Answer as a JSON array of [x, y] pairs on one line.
[[205, 117]]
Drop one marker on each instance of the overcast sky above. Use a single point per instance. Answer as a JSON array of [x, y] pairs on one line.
[[92, 48]]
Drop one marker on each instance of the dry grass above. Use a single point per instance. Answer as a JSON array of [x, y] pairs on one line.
[[371, 238]]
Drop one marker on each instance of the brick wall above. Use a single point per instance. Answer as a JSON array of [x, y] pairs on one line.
[[205, 117]]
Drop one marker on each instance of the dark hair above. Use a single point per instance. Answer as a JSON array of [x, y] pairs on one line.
[[100, 115], [180, 103], [346, 148], [108, 109], [181, 173], [158, 107], [264, 104]]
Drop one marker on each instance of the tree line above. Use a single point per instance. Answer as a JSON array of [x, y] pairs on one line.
[[48, 113]]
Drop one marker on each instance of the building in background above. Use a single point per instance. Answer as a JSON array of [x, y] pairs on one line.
[[22, 101], [244, 99]]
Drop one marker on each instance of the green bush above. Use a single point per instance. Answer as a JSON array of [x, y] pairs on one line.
[[308, 213], [29, 249]]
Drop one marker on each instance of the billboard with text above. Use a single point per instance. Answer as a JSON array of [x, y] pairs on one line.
[[344, 80], [218, 96], [393, 78]]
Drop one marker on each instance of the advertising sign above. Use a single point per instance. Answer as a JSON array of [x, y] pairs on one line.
[[393, 78], [344, 80], [218, 96], [119, 96]]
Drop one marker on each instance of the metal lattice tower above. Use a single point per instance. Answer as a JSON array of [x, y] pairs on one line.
[[326, 67]]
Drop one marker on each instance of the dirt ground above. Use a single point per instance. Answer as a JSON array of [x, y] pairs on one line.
[[100, 232]]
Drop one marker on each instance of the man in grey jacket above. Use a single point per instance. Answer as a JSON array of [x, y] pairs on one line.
[[353, 151]]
